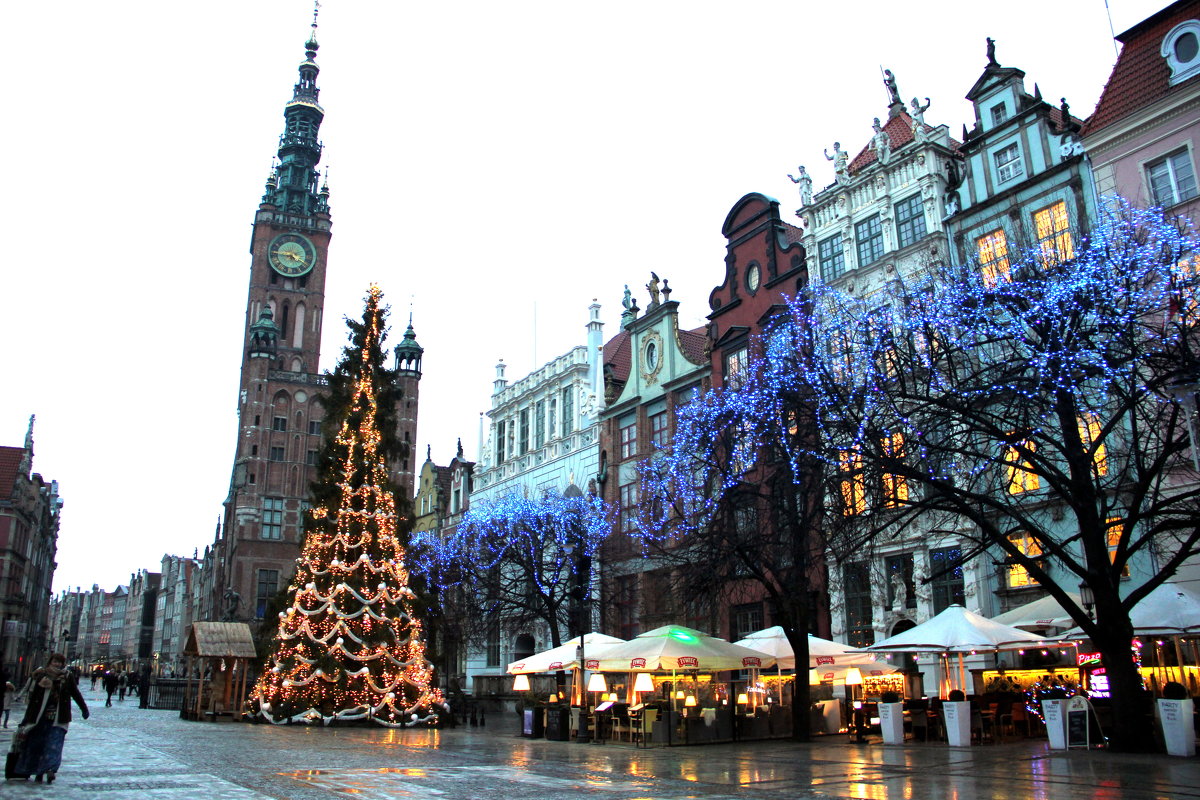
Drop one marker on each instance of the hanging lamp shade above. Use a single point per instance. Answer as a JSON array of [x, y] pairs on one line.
[[596, 683], [853, 677], [521, 683], [743, 699], [690, 702], [643, 682]]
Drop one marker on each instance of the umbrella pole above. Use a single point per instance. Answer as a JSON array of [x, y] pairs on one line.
[[1179, 660], [962, 674]]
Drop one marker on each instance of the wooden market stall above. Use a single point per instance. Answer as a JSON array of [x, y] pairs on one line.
[[218, 664]]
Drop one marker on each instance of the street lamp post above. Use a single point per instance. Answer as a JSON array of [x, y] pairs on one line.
[[581, 599]]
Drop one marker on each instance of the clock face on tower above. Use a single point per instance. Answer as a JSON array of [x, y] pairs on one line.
[[291, 254]]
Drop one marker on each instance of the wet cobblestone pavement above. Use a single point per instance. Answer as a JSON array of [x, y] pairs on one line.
[[126, 753]]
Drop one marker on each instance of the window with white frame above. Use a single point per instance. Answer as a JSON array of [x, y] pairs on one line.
[[1008, 163], [832, 256], [1172, 179], [737, 362], [868, 236], [999, 114], [910, 220]]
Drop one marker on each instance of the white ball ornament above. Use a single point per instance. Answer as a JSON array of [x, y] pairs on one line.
[[310, 586], [276, 669], [282, 615], [340, 640]]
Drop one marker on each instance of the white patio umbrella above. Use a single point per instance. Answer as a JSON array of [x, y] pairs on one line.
[[564, 656], [822, 653], [956, 630], [1044, 613], [1171, 608], [674, 647]]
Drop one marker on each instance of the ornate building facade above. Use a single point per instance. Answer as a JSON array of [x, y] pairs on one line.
[[30, 508], [542, 436], [882, 221], [656, 368]]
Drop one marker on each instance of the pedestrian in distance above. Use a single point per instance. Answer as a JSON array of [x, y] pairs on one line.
[[47, 715], [144, 687], [110, 686], [122, 685]]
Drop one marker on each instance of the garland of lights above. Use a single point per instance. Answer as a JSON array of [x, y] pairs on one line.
[[349, 647]]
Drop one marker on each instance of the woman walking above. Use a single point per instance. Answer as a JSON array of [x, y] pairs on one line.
[[47, 717]]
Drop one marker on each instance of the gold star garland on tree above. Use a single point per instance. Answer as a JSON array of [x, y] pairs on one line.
[[349, 647]]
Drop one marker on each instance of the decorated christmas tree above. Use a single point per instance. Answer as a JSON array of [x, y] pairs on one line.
[[349, 646]]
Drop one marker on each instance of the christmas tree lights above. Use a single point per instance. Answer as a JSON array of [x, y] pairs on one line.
[[349, 646]]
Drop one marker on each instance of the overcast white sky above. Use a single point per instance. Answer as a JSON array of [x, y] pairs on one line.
[[498, 165]]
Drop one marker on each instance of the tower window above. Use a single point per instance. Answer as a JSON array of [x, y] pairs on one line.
[[279, 424], [272, 518], [268, 585], [314, 427], [277, 454]]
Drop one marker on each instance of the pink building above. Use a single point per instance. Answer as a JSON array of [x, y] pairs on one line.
[[1143, 136]]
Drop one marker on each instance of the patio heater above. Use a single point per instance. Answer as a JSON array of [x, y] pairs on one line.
[[854, 684]]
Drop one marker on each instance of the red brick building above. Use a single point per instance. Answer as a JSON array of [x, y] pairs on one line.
[[29, 517], [280, 409]]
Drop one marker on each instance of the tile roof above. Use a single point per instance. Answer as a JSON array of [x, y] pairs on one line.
[[1141, 75], [899, 128], [10, 462], [617, 357], [693, 344]]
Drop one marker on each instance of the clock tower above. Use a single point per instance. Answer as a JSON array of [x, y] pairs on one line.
[[279, 400]]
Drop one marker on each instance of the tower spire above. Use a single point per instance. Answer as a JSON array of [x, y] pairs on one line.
[[296, 178]]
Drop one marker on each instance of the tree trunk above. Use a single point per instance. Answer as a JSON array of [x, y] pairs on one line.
[[801, 691], [1132, 729]]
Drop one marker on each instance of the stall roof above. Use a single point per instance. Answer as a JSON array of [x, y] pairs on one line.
[[220, 640]]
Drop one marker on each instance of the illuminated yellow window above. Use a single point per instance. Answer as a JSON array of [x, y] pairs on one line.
[[1113, 526], [1089, 432], [1053, 233], [1021, 477], [1187, 281], [895, 488], [854, 487], [993, 257], [1017, 574]]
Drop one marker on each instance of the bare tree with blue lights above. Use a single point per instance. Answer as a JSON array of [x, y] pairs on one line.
[[1044, 411]]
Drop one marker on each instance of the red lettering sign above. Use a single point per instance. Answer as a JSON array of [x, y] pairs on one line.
[[688, 661], [823, 661], [592, 663], [555, 665], [635, 663], [751, 661]]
